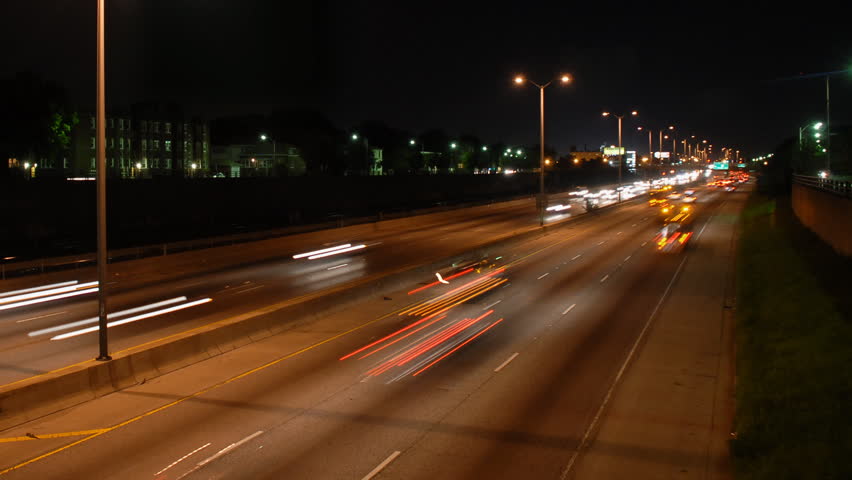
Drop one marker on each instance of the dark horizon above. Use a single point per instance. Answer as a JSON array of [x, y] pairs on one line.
[[740, 81]]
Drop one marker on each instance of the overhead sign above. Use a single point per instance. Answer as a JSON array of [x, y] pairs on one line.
[[612, 151], [661, 154], [720, 165]]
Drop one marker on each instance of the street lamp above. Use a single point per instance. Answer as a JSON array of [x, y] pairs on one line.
[[263, 138], [620, 155], [519, 80], [366, 143]]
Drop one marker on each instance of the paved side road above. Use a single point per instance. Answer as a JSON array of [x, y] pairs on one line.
[[670, 414]]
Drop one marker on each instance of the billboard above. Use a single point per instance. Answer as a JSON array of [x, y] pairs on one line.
[[661, 154], [612, 151]]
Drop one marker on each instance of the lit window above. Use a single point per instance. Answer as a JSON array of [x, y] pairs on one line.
[[93, 143], [121, 143], [204, 146], [111, 142], [168, 127], [168, 145], [92, 163], [168, 163], [111, 123], [92, 122]]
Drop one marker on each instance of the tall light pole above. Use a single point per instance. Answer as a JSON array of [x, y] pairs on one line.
[[101, 179], [519, 80], [827, 128], [650, 145], [620, 154]]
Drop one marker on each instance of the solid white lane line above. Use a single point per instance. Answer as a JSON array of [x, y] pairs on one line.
[[35, 289], [337, 266], [506, 362], [604, 278], [495, 303], [43, 293], [644, 243], [601, 243], [634, 225], [49, 299], [122, 313], [630, 354], [628, 258], [132, 319], [229, 448], [41, 316], [569, 308], [546, 274], [382, 465], [250, 289], [619, 233], [577, 256], [182, 459]]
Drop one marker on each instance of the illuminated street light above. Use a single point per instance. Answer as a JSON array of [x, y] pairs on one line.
[[453, 145], [412, 142], [564, 79], [485, 148], [620, 156]]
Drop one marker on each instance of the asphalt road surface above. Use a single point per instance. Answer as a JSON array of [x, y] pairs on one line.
[[497, 374], [31, 336]]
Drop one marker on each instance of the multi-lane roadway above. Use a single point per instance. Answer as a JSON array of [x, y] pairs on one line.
[[497, 373]]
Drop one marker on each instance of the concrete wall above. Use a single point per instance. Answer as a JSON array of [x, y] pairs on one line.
[[827, 215]]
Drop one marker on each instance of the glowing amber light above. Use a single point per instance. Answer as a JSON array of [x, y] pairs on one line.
[[519, 79]]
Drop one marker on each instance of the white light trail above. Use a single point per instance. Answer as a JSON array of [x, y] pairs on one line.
[[48, 299], [43, 293], [33, 289], [324, 250], [109, 316], [133, 319], [335, 252]]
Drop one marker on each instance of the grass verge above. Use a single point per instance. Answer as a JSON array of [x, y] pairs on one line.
[[794, 351]]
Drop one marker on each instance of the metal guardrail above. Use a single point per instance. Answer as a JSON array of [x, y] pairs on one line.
[[836, 187]]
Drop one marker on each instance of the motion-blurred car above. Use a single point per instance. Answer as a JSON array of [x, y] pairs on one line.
[[689, 198]]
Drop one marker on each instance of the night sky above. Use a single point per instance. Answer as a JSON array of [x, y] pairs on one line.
[[728, 73]]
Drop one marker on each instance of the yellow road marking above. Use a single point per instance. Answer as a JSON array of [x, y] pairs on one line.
[[44, 436], [193, 395]]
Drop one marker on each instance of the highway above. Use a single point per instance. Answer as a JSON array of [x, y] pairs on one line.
[[31, 335], [497, 374]]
